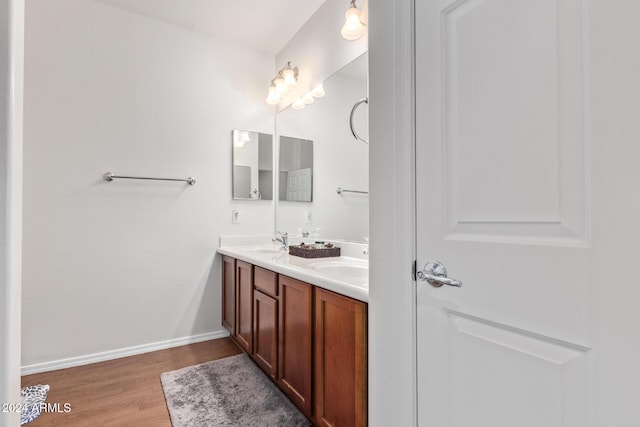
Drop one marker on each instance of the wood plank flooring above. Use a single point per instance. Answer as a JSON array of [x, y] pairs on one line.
[[121, 392]]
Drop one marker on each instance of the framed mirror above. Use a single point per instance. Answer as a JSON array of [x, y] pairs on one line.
[[295, 169], [252, 165]]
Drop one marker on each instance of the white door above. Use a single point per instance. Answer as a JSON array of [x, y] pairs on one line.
[[299, 185], [528, 167]]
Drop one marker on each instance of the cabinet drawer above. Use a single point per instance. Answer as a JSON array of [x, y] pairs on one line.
[[266, 281]]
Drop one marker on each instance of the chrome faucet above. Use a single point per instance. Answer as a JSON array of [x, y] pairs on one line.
[[284, 240]]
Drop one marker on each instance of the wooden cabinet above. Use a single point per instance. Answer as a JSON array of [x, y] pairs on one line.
[[295, 331], [229, 294], [265, 320], [340, 371], [310, 341], [244, 305]]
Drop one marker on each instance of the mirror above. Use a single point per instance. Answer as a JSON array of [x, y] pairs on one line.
[[252, 165], [295, 169], [339, 161]]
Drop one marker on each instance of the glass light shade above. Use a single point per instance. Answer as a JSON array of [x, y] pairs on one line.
[[353, 28], [289, 76], [298, 104], [318, 91], [279, 82], [308, 98], [274, 97]]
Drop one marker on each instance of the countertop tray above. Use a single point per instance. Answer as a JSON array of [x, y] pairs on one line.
[[314, 252]]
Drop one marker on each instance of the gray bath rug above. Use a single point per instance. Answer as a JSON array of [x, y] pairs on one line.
[[227, 392]]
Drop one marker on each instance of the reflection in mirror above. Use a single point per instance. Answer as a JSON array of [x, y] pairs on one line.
[[252, 165], [339, 160], [295, 169]]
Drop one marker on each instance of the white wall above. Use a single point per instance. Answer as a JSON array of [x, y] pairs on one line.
[[113, 265], [339, 161], [11, 61]]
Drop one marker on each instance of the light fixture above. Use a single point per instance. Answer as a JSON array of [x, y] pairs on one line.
[[308, 98], [318, 91], [278, 81], [284, 81], [353, 27], [298, 104], [290, 76], [274, 96], [282, 90]]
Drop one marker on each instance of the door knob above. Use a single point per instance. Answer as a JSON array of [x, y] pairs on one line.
[[435, 273]]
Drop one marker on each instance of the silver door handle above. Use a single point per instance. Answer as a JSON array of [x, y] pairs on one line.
[[435, 273]]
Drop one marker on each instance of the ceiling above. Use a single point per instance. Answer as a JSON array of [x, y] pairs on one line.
[[260, 24]]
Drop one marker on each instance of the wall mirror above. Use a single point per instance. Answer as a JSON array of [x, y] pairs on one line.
[[339, 160], [252, 165], [295, 168]]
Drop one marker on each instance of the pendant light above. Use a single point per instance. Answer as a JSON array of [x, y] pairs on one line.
[[353, 27]]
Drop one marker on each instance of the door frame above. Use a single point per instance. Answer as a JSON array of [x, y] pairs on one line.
[[11, 119], [392, 292]]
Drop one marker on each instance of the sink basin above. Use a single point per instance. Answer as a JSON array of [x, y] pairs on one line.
[[265, 250], [343, 271]]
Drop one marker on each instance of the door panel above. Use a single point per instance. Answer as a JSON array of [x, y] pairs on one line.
[[229, 294], [244, 305], [299, 185], [340, 348], [512, 108], [295, 329], [537, 381], [502, 191], [265, 330]]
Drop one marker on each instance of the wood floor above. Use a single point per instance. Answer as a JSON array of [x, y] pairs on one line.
[[121, 392]]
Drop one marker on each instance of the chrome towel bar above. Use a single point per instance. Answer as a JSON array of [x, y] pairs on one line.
[[110, 177], [341, 190]]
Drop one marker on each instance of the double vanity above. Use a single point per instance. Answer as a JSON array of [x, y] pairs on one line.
[[304, 322]]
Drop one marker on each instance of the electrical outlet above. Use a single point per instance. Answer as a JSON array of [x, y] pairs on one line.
[[307, 217], [235, 216]]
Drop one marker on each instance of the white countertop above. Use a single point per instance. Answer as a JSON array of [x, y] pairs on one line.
[[344, 275]]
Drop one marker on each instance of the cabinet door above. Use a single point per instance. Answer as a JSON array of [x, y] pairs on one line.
[[294, 353], [265, 332], [229, 294], [244, 305], [340, 360]]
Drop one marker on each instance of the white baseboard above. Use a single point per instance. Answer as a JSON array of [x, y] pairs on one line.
[[122, 352]]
